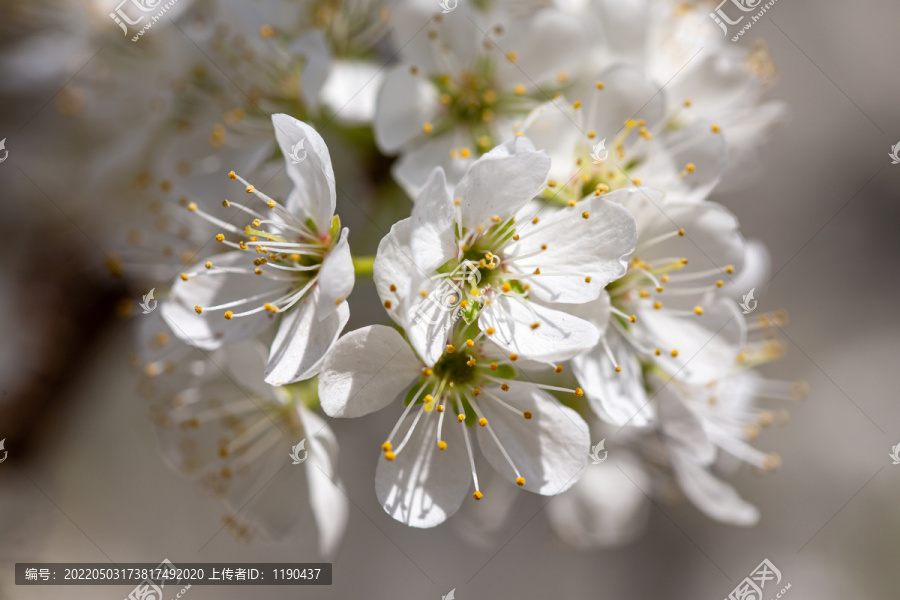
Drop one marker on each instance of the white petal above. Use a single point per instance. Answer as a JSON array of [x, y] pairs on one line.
[[430, 317], [393, 268], [351, 90], [366, 370], [210, 330], [617, 398], [432, 237], [711, 495], [683, 429], [315, 51], [550, 450], [596, 247], [707, 345], [424, 485], [607, 507], [313, 196], [414, 167], [303, 340], [336, 277], [501, 182], [405, 103], [550, 127], [560, 336]]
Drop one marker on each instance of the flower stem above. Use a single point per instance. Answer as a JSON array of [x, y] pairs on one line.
[[362, 265]]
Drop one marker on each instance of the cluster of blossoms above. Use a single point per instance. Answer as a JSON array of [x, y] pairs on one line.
[[562, 277]]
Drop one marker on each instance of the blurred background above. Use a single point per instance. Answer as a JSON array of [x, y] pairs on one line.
[[84, 481]]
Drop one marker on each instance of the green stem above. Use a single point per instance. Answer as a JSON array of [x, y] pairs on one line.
[[362, 265]]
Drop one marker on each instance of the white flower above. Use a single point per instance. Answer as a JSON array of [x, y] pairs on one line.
[[529, 438], [294, 261], [666, 312], [513, 272], [219, 424], [464, 79], [700, 423], [612, 132]]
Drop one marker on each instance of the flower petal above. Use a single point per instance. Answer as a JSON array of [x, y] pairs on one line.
[[432, 237], [559, 336], [712, 496], [596, 247], [336, 277], [313, 196], [393, 269], [303, 340], [405, 103], [209, 330], [501, 182], [550, 450], [366, 370], [616, 397], [424, 485], [683, 429]]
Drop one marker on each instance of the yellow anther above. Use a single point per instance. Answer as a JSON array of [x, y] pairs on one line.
[[266, 31], [232, 175], [226, 203], [585, 215], [772, 462], [536, 271], [720, 283], [527, 414], [427, 127], [428, 398], [450, 348], [229, 315], [208, 264], [591, 134], [516, 237], [192, 206], [478, 495], [390, 455], [587, 279], [460, 418], [387, 304], [463, 303], [270, 204], [506, 288], [715, 128], [543, 246], [562, 77], [257, 222], [294, 257], [579, 392], [484, 142], [535, 325], [765, 418], [504, 386], [387, 446], [520, 481], [577, 104], [220, 238], [489, 331], [657, 352], [630, 123], [270, 308], [184, 276], [446, 100], [674, 353], [558, 369], [657, 305], [659, 289], [632, 318], [535, 221], [242, 245], [690, 167], [729, 269], [687, 102], [414, 71], [698, 310], [198, 310], [476, 392], [482, 421], [442, 445], [514, 357], [512, 56], [643, 294], [600, 85], [618, 369], [250, 189], [495, 219], [465, 153], [684, 261], [258, 271], [638, 181], [439, 408], [427, 372]]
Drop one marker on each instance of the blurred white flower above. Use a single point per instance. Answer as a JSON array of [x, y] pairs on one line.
[[219, 424], [301, 267], [527, 436], [464, 78], [527, 267]]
